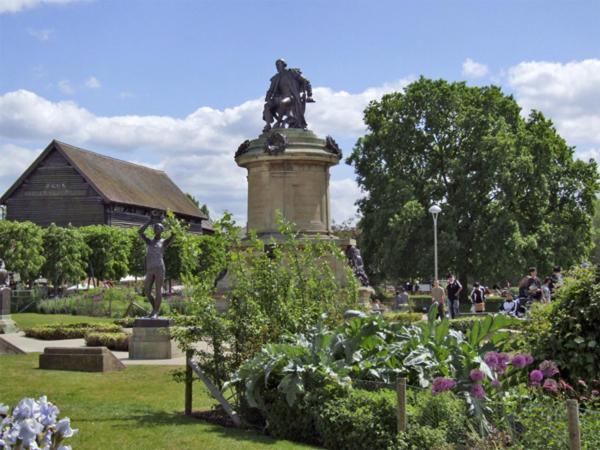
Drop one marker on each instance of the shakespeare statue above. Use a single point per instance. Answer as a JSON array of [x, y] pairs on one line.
[[286, 98], [356, 263], [155, 264]]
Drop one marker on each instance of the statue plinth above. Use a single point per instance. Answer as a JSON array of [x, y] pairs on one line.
[[288, 171], [7, 325], [151, 339]]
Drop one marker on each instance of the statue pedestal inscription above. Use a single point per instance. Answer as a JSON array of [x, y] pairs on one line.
[[6, 323], [151, 339]]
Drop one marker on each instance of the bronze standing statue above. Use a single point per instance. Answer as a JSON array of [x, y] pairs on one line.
[[155, 264], [286, 98]]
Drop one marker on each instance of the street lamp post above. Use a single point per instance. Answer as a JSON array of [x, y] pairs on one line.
[[435, 210]]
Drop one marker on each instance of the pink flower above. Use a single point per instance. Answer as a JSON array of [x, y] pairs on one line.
[[529, 359], [477, 391], [550, 385], [548, 368], [536, 376], [476, 375], [441, 384], [564, 386], [595, 393], [582, 383]]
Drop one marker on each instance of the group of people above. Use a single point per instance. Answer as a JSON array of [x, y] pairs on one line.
[[531, 289]]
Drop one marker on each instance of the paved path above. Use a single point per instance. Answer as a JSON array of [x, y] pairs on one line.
[[30, 345]]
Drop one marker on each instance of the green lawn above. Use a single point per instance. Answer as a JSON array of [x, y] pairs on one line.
[[27, 320], [137, 408]]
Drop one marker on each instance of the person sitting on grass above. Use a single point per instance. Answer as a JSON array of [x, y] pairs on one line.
[[509, 306]]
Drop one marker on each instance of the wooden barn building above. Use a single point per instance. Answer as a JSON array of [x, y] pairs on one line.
[[66, 184]]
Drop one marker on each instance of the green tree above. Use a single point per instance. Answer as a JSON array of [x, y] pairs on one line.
[[511, 192], [595, 256], [137, 254], [21, 247], [66, 255], [110, 250]]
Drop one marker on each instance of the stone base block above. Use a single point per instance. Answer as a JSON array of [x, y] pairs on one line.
[[365, 293], [7, 325], [83, 359], [151, 339]]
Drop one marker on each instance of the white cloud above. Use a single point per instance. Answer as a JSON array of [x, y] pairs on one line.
[[40, 35], [13, 6], [92, 83], [196, 150], [65, 87], [343, 194], [20, 158], [473, 69], [568, 93]]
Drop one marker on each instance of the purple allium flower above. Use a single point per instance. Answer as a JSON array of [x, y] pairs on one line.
[[476, 375], [503, 360], [595, 393], [519, 361], [491, 359], [548, 368], [550, 385], [536, 376], [441, 384], [564, 386], [477, 391], [497, 384], [529, 359]]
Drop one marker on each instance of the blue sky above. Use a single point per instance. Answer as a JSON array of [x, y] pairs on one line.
[[178, 84]]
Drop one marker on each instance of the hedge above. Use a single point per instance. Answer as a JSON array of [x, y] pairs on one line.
[[358, 419], [407, 318], [69, 331], [422, 303], [114, 341]]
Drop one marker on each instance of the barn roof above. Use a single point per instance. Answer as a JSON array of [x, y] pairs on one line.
[[120, 181]]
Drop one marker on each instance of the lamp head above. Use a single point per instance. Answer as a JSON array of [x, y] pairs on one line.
[[435, 209]]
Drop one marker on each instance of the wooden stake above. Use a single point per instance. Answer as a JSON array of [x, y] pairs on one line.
[[401, 412], [189, 382], [573, 417]]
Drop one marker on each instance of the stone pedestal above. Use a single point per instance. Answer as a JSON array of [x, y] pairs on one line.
[[6, 323], [84, 359], [288, 171], [151, 339], [365, 293]]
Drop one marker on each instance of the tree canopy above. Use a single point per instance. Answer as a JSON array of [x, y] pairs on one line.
[[510, 190]]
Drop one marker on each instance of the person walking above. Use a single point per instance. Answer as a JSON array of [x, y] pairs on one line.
[[438, 296], [453, 290], [477, 298], [401, 300]]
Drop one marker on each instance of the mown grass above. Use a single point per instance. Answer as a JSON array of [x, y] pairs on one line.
[[137, 408], [28, 320]]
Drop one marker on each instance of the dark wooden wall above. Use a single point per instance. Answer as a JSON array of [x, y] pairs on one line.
[[55, 193]]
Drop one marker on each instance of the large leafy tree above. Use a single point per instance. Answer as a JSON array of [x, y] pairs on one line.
[[511, 192], [110, 250], [21, 248], [66, 255]]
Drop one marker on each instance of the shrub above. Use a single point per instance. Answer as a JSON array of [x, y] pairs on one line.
[[114, 341], [21, 247], [68, 331], [572, 338], [363, 419], [464, 324], [125, 322], [423, 437], [419, 303], [444, 412]]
